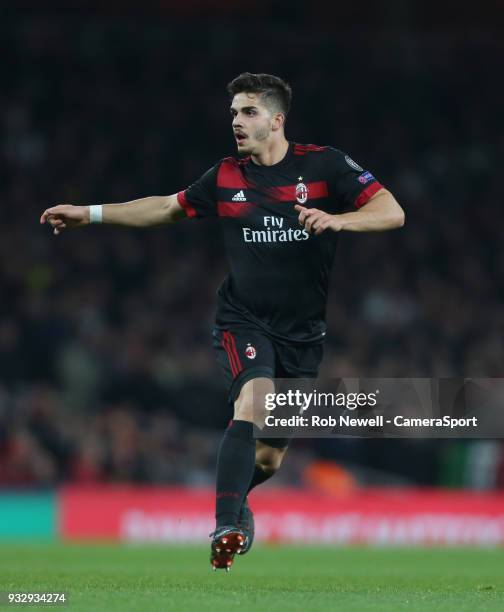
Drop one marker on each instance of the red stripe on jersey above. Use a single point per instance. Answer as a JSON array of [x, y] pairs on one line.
[[233, 209], [310, 147], [235, 352], [367, 194], [287, 193], [190, 211], [230, 175], [303, 149]]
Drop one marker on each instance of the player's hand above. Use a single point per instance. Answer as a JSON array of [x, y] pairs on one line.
[[65, 215], [316, 221]]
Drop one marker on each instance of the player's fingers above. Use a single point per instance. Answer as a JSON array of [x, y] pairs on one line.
[[305, 212], [314, 216], [319, 220], [59, 228], [51, 212], [308, 225], [54, 210], [321, 227], [302, 217]]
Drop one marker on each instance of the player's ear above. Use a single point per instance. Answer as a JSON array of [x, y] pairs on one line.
[[278, 121]]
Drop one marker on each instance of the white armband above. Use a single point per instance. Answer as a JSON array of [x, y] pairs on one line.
[[95, 213]]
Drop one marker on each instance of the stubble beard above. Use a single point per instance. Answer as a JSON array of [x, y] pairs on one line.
[[260, 136], [262, 133]]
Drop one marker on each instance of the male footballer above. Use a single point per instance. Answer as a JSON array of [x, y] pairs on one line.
[[281, 206]]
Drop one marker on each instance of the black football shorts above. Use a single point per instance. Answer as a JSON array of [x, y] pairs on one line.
[[246, 352]]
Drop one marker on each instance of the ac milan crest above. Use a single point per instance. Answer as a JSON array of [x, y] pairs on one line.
[[250, 351], [301, 193]]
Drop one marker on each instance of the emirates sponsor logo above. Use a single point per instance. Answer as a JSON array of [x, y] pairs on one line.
[[274, 231]]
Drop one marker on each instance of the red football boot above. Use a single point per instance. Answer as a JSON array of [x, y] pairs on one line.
[[227, 542]]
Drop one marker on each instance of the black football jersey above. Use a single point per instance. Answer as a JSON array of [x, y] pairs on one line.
[[279, 273]]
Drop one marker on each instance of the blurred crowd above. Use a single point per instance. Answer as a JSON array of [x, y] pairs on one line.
[[106, 365]]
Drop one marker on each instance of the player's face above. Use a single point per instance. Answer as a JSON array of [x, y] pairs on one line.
[[252, 123]]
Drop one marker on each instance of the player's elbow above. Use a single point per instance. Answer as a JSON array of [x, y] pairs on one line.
[[170, 209], [396, 213], [387, 209], [399, 218]]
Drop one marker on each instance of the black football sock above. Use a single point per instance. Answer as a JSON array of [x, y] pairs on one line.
[[235, 466], [259, 477]]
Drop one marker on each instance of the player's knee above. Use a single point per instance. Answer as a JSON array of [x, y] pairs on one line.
[[249, 405], [270, 466], [244, 411]]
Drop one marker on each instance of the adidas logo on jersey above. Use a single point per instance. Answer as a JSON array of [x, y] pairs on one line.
[[239, 197]]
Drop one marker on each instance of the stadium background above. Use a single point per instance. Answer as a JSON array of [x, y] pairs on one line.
[[107, 376]]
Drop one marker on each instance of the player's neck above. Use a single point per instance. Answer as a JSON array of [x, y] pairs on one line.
[[272, 154]]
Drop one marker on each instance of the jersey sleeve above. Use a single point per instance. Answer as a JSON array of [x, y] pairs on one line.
[[200, 199], [350, 184]]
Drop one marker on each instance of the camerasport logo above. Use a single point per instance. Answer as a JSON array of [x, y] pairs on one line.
[[250, 352]]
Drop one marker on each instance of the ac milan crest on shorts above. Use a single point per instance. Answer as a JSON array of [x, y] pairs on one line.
[[245, 352], [250, 351]]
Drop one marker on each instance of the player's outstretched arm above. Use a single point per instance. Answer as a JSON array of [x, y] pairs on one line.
[[382, 212], [154, 210]]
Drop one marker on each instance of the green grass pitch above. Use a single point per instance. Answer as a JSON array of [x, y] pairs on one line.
[[108, 578]]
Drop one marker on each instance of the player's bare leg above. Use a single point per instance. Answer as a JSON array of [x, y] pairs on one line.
[[269, 459]]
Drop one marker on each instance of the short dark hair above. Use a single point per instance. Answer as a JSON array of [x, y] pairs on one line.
[[274, 91]]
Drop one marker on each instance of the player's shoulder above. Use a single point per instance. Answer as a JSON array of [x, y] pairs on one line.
[[320, 152], [226, 165], [308, 149], [234, 161], [338, 160], [326, 156]]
